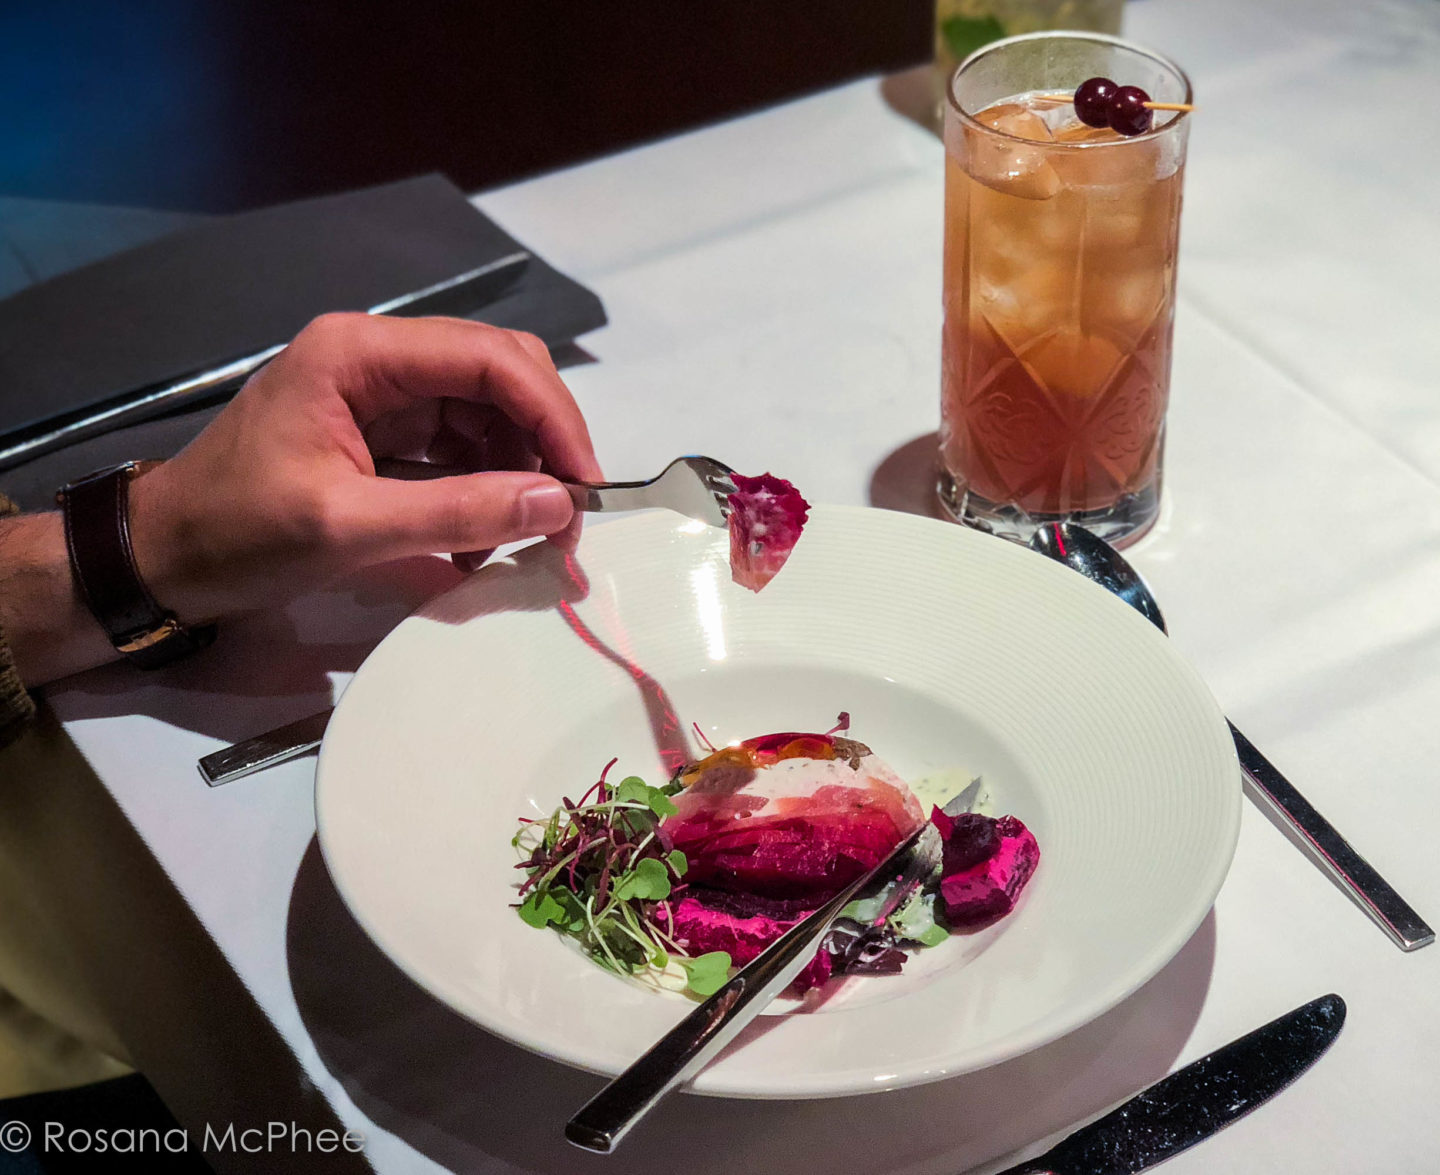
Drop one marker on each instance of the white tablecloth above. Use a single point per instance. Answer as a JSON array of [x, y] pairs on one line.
[[773, 290]]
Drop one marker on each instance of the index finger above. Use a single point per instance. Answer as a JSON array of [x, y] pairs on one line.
[[378, 364]]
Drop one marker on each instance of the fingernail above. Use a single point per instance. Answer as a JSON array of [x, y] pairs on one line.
[[545, 509]]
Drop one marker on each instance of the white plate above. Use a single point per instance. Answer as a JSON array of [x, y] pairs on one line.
[[953, 652]]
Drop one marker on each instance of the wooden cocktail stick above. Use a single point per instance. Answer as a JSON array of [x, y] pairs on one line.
[[1185, 106]]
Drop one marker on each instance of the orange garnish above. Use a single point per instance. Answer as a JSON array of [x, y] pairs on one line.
[[740, 756]]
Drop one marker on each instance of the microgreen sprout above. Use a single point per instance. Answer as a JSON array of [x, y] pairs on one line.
[[599, 870]]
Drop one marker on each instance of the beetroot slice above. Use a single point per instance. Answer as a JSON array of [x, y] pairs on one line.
[[701, 928], [767, 514], [802, 857]]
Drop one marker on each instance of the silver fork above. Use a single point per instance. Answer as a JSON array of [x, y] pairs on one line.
[[697, 487]]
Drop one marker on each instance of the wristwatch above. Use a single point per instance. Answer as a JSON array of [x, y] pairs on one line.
[[96, 509]]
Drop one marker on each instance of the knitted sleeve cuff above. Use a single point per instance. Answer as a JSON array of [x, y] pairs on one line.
[[17, 707]]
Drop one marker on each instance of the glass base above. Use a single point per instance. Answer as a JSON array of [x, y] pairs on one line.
[[1125, 522]]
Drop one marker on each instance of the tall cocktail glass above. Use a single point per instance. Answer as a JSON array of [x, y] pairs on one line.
[[1060, 252]]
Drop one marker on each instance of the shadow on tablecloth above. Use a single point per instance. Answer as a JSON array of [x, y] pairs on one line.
[[466, 1098], [913, 94], [270, 667], [274, 666], [905, 478]]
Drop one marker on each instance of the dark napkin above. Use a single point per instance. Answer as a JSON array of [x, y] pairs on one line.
[[229, 286], [40, 239]]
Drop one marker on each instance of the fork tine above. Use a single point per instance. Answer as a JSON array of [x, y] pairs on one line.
[[715, 476], [718, 478]]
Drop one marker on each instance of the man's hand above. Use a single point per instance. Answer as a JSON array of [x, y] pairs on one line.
[[279, 494]]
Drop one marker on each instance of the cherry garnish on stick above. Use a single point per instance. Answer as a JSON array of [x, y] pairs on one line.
[[1100, 102]]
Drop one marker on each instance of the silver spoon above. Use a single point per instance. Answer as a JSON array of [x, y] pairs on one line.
[[1275, 795]]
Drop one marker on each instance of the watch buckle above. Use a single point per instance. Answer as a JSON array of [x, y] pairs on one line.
[[149, 639]]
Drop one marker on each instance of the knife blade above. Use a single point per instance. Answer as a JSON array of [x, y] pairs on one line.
[[1193, 1103], [459, 295]]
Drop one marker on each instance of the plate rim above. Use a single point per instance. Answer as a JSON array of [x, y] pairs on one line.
[[842, 1082]]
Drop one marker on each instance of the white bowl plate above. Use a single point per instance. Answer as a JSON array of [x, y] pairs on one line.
[[955, 653]]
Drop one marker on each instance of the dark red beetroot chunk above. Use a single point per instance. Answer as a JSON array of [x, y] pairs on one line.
[[701, 928], [969, 839], [983, 890]]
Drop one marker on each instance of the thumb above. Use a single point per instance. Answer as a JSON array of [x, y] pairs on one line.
[[470, 512]]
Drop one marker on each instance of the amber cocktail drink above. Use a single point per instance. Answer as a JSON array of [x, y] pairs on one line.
[[1060, 251]]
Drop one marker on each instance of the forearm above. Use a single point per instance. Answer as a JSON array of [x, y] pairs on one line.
[[278, 494], [50, 631]]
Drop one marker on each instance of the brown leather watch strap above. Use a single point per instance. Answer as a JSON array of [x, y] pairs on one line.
[[96, 509]]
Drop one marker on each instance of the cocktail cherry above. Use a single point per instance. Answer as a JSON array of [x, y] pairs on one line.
[[1092, 101], [1127, 110]]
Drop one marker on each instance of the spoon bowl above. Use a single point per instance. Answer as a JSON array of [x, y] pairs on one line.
[[1094, 558]]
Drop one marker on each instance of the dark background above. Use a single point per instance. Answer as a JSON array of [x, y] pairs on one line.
[[217, 105]]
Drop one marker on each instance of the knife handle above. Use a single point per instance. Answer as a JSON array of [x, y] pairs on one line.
[[682, 1052], [1191, 1104], [1331, 851], [265, 750]]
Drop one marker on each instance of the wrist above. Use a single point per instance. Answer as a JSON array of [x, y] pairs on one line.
[[168, 550], [50, 632], [97, 513]]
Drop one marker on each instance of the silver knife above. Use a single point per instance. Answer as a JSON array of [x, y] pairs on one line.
[[1192, 1104], [459, 295], [265, 750], [688, 1047], [1335, 855]]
